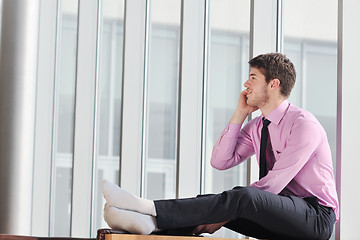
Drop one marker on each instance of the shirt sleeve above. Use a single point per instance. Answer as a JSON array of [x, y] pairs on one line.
[[304, 139], [232, 148]]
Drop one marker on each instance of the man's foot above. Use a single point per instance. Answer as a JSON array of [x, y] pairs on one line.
[[117, 197], [129, 221]]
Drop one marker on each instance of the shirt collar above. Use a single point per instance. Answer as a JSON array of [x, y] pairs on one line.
[[278, 113]]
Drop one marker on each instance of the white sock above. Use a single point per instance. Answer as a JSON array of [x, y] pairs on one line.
[[117, 197], [132, 222]]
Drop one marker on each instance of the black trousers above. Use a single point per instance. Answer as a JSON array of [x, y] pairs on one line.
[[251, 212]]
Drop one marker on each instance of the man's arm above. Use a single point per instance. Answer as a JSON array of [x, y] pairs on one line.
[[234, 145]]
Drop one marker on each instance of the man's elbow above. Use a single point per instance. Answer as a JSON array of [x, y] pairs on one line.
[[217, 166]]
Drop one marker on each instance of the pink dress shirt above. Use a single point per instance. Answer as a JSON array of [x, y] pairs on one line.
[[298, 155]]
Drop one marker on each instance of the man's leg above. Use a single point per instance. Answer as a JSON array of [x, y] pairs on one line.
[[129, 221], [117, 197], [281, 216], [290, 217]]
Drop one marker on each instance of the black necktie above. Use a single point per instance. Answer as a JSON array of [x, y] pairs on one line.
[[263, 144]]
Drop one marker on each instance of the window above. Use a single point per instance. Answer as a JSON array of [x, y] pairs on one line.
[[161, 100]]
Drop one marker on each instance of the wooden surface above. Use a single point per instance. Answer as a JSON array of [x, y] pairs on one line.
[[19, 237], [156, 237]]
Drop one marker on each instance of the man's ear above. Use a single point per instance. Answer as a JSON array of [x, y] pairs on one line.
[[275, 83]]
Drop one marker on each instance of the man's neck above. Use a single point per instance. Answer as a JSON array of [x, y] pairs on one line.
[[271, 105]]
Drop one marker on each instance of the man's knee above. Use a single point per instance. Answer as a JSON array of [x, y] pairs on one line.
[[240, 202], [247, 198], [249, 193]]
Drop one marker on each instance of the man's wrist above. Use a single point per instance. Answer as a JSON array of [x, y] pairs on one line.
[[239, 117]]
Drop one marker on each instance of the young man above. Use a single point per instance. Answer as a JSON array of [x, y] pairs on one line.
[[295, 197]]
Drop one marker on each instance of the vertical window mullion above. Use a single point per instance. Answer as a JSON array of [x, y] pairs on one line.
[[205, 91], [145, 114]]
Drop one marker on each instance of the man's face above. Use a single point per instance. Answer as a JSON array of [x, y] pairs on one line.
[[257, 89]]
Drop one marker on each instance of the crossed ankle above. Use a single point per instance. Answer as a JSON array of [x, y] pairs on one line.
[[129, 221], [118, 197]]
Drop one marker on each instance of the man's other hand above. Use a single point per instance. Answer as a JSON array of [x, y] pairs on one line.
[[208, 228]]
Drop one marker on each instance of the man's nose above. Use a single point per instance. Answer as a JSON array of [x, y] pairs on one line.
[[246, 84]]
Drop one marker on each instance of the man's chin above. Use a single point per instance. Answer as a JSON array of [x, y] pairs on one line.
[[251, 104]]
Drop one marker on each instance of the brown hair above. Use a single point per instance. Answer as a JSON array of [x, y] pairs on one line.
[[276, 65]]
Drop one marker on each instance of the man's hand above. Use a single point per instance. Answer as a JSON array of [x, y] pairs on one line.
[[243, 109], [208, 228], [242, 103]]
